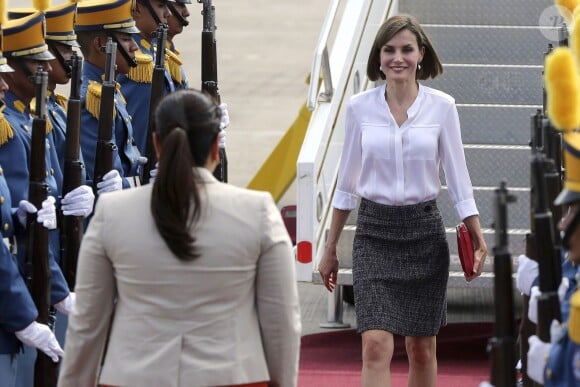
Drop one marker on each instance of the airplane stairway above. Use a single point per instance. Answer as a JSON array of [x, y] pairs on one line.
[[492, 53]]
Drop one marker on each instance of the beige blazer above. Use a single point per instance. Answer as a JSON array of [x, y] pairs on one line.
[[231, 316]]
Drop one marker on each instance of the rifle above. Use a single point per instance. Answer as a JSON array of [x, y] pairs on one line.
[[502, 345], [157, 84], [36, 255], [548, 254], [72, 226], [209, 73], [105, 145]]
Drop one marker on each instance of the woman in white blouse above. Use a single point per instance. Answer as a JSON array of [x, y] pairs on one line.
[[397, 135]]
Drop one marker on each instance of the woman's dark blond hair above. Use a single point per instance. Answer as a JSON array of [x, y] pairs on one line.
[[430, 65]]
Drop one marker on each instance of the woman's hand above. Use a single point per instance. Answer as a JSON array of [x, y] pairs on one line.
[[328, 267], [480, 247]]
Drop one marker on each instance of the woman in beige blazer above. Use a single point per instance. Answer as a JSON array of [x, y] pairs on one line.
[[190, 280]]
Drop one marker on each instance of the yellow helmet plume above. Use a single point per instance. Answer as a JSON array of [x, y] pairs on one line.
[[3, 11], [567, 8], [41, 5], [563, 89]]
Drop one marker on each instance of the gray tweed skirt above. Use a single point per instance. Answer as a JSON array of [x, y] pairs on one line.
[[400, 269]]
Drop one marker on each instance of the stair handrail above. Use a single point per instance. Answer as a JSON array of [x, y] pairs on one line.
[[321, 62]]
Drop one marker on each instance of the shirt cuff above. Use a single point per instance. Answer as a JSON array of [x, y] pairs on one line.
[[466, 208], [344, 200]]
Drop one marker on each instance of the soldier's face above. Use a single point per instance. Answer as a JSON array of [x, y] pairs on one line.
[[34, 65], [145, 21], [128, 44], [58, 75], [571, 228], [175, 26]]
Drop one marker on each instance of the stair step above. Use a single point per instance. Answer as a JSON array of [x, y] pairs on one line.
[[492, 124], [488, 45], [518, 212], [492, 12], [491, 85], [488, 165]]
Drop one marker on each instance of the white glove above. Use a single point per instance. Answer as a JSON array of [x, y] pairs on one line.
[[533, 305], [485, 384], [78, 202], [40, 336], [66, 306], [153, 173], [24, 208], [563, 288], [535, 293], [225, 119], [142, 160], [112, 181], [46, 215], [555, 331], [527, 273], [222, 139], [537, 358]]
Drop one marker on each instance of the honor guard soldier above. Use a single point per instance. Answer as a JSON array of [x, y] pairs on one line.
[[17, 309], [176, 22], [136, 84], [26, 50], [557, 364], [61, 39], [96, 22]]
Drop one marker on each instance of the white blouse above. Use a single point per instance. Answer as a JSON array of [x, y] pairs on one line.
[[394, 165]]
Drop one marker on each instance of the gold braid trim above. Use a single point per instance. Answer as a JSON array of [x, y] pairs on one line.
[[6, 132], [93, 99], [33, 112], [173, 64], [62, 100], [143, 73]]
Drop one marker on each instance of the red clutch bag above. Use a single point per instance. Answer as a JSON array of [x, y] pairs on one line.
[[465, 249]]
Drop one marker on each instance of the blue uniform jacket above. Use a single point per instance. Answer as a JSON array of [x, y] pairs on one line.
[[138, 93], [57, 116], [15, 159], [563, 367], [126, 156], [17, 309]]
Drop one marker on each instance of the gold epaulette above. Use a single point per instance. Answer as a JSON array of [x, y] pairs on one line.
[[33, 112], [62, 100], [173, 64], [574, 319], [6, 132], [143, 73], [93, 99]]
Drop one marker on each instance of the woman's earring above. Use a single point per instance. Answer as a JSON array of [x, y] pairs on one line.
[[418, 66], [380, 69]]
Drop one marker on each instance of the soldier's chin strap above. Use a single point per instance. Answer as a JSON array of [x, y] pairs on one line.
[[570, 231], [147, 4], [177, 14], [130, 59], [64, 63]]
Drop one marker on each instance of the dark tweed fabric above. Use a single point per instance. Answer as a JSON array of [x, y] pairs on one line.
[[400, 269]]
